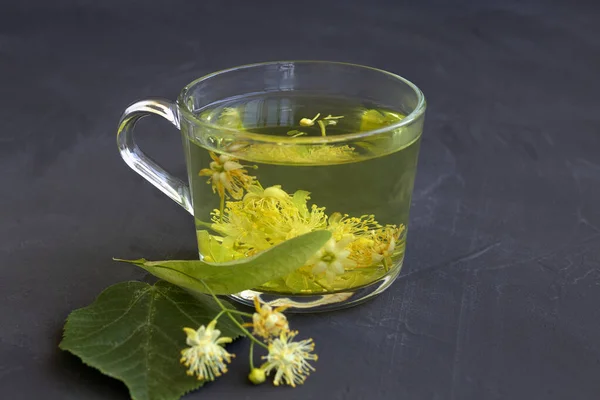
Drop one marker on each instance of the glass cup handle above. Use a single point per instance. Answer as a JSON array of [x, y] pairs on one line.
[[173, 187]]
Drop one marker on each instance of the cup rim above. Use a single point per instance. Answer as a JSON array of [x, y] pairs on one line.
[[259, 137]]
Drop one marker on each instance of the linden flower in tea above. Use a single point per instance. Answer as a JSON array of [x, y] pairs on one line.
[[377, 246], [258, 218], [328, 120], [332, 259], [300, 154], [206, 356], [226, 174], [342, 225], [385, 243], [266, 217]]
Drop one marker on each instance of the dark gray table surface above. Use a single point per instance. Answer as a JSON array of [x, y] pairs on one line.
[[499, 297]]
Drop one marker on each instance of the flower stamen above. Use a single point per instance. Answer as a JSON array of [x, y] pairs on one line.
[[268, 323], [206, 357], [289, 359]]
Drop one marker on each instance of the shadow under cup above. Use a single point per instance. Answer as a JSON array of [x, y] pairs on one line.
[[279, 149]]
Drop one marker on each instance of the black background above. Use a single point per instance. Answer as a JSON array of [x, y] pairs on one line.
[[499, 297]]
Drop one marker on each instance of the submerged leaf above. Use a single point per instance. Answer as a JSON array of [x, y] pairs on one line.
[[300, 198], [133, 332], [235, 276], [231, 118], [215, 250], [375, 119]]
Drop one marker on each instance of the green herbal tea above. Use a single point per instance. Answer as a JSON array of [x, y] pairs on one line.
[[249, 196]]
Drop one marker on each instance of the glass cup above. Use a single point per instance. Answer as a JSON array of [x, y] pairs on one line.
[[279, 149]]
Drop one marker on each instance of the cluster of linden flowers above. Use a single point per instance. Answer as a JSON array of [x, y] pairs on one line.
[[231, 117], [297, 153], [206, 357], [260, 218]]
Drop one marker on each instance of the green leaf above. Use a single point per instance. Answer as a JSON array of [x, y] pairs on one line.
[[235, 276], [134, 332], [375, 119], [217, 251], [299, 282], [231, 117], [300, 199]]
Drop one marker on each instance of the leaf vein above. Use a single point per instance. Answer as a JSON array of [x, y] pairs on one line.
[[125, 312]]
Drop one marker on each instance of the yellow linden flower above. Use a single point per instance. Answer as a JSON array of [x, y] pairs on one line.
[[241, 225], [308, 121], [331, 153], [206, 356], [342, 225], [266, 217], [297, 153], [361, 251], [257, 196], [332, 259], [268, 322], [385, 240], [242, 222], [287, 222], [380, 245], [227, 175], [315, 220], [289, 359], [328, 120]]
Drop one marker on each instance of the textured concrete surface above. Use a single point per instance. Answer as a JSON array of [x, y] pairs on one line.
[[500, 291]]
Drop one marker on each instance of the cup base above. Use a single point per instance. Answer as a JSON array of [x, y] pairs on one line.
[[319, 302]]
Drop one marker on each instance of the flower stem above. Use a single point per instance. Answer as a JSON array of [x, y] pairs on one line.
[[322, 285], [322, 126], [314, 280], [206, 225], [245, 314], [251, 357], [230, 315], [221, 208], [326, 287], [244, 330], [219, 314], [229, 310]]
